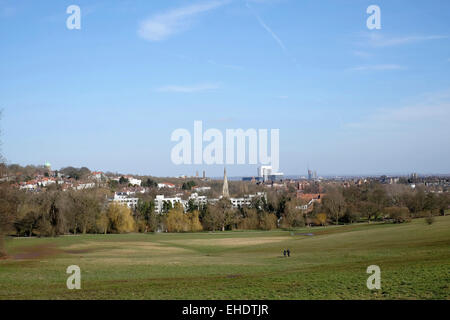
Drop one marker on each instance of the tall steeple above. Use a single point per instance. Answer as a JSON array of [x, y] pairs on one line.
[[225, 192]]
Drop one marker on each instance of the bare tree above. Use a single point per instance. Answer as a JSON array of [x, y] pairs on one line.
[[2, 160], [292, 216], [219, 215], [334, 203], [9, 203], [4, 214]]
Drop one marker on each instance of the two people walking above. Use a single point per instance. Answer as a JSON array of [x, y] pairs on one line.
[[287, 252]]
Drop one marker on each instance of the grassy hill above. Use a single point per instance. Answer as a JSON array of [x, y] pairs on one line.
[[330, 264]]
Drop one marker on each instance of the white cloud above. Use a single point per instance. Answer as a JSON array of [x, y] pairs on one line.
[[161, 26], [378, 67], [188, 89], [379, 40]]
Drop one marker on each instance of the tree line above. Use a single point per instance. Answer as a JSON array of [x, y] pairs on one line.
[[377, 202], [56, 212]]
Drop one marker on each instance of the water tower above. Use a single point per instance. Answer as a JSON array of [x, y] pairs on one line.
[[48, 166]]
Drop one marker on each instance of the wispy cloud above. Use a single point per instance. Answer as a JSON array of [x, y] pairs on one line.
[[432, 110], [268, 29], [379, 40], [411, 115], [161, 26], [362, 54], [188, 89], [378, 67]]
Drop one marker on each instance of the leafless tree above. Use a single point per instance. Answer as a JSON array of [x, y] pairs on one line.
[[334, 203]]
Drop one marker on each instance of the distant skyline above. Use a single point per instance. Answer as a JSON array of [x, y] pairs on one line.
[[347, 100]]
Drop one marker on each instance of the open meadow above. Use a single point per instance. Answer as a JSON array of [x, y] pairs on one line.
[[329, 264]]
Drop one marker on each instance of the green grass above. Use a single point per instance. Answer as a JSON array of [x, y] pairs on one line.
[[414, 259]]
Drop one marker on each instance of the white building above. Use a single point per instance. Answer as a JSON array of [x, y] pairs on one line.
[[166, 185], [96, 175], [201, 189], [198, 200], [131, 180], [134, 181], [303, 207], [160, 199], [46, 181], [266, 173], [29, 186], [246, 200], [123, 198], [83, 186]]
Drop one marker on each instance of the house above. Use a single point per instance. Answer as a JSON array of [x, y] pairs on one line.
[[166, 185], [30, 185], [96, 175], [82, 186], [201, 189], [134, 182], [302, 207], [133, 190], [131, 180], [310, 198], [46, 181]]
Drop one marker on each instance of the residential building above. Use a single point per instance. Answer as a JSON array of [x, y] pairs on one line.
[[160, 199], [166, 185], [201, 189], [96, 175], [198, 200], [123, 198], [134, 181], [246, 200]]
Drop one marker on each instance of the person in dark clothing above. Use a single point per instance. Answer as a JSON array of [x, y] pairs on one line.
[[284, 252], [288, 253]]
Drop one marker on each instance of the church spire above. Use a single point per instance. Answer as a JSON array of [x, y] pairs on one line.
[[225, 192]]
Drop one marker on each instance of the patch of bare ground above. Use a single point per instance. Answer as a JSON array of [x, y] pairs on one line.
[[232, 242], [36, 252]]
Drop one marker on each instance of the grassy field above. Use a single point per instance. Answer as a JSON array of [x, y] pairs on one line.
[[414, 259]]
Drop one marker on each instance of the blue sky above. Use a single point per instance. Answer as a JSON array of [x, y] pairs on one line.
[[347, 100]]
